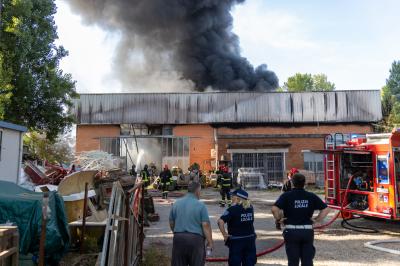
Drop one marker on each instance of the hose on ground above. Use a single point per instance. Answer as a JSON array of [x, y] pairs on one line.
[[282, 242], [345, 222], [276, 246], [362, 229]]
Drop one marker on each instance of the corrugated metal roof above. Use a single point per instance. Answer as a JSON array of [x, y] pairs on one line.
[[4, 124], [238, 107]]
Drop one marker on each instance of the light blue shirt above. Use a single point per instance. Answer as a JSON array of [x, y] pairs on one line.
[[188, 214]]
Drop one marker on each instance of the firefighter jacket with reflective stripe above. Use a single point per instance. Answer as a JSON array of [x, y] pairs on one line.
[[166, 177], [145, 175], [226, 180]]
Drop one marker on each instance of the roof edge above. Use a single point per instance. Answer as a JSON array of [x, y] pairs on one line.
[[12, 126], [224, 92]]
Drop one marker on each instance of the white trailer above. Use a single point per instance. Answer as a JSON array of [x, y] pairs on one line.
[[11, 145]]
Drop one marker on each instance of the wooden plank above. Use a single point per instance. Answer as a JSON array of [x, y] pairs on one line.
[[6, 253]]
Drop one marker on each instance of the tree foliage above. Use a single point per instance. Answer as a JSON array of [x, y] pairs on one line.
[[390, 95], [307, 82], [40, 148], [34, 91]]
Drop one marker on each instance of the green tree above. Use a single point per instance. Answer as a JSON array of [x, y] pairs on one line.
[[307, 82], [390, 99], [299, 83], [39, 147], [393, 82], [321, 83], [34, 91]]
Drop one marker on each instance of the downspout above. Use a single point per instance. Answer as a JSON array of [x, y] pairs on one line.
[[216, 147]]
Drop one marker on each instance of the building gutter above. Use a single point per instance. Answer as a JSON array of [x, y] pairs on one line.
[[271, 136]]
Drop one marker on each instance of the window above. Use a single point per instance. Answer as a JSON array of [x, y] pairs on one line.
[[313, 162], [167, 131], [111, 145], [175, 147], [271, 164]]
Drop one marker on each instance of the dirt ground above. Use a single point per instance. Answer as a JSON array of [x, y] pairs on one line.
[[334, 245]]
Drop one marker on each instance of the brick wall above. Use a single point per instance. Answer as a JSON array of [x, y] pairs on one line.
[[201, 143], [294, 158], [202, 139], [86, 135]]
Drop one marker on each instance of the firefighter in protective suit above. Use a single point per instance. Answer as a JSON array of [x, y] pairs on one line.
[[166, 180], [148, 200], [225, 186], [145, 176]]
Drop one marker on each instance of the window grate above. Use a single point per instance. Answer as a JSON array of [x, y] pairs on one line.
[[272, 164]]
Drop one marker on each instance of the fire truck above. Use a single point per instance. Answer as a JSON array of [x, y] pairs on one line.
[[362, 174]]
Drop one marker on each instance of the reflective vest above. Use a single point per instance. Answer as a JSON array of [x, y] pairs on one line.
[[145, 176], [166, 177], [226, 180]]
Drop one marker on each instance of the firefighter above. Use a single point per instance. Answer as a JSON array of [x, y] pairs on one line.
[[166, 180], [133, 171], [148, 200], [288, 184], [225, 186], [241, 237], [145, 176]]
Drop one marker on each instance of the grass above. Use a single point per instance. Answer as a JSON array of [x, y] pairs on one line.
[[155, 256]]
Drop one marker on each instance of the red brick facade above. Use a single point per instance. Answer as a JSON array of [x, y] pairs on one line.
[[203, 139], [87, 136]]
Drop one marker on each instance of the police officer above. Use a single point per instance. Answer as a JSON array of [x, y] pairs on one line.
[[241, 237], [166, 180], [225, 187], [294, 210], [145, 176]]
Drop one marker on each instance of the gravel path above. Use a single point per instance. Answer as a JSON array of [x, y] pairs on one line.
[[335, 245]]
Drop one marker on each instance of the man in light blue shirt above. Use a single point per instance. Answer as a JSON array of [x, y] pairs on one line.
[[191, 226]]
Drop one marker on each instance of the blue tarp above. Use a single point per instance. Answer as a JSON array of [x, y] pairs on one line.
[[24, 208]]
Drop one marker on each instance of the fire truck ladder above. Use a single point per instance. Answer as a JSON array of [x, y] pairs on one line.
[[330, 144]]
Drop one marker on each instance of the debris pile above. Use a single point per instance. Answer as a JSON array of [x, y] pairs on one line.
[[97, 160], [51, 174]]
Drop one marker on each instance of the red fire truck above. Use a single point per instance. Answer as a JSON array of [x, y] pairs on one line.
[[362, 174]]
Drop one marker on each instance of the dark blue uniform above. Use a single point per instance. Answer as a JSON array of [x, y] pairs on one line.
[[298, 208], [242, 240], [226, 183]]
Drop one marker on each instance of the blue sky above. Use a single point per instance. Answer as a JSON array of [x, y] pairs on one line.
[[354, 42]]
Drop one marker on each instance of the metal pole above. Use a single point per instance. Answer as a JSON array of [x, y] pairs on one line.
[[126, 231], [83, 229], [42, 243], [141, 224]]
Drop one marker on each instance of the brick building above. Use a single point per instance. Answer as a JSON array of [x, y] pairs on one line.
[[271, 131]]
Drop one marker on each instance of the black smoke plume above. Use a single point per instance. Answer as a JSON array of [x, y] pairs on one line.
[[193, 38]]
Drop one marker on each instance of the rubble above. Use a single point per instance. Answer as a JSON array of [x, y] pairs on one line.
[[51, 174], [97, 160]]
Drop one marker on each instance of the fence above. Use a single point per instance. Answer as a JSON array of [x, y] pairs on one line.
[[252, 178], [123, 240]]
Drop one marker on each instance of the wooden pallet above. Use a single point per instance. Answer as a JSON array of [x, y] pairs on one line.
[[9, 246]]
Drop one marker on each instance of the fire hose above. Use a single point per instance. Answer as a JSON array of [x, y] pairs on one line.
[[344, 221], [277, 246]]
